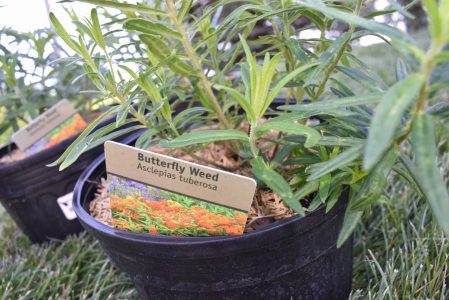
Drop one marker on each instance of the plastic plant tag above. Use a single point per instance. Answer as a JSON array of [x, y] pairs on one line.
[[65, 203], [59, 122], [158, 194]]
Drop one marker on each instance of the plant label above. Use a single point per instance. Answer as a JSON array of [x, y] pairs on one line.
[[54, 125], [158, 194]]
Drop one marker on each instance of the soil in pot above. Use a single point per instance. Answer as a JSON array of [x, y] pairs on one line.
[[295, 258], [37, 197]]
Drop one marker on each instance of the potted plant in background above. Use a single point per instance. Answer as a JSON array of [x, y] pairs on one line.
[[32, 193], [310, 155]]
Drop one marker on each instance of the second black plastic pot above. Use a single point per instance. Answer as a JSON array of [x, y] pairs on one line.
[[292, 259], [39, 198]]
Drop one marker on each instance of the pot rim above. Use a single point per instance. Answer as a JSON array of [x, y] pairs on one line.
[[106, 230]]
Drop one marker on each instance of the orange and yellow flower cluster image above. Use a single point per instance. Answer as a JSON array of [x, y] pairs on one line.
[[140, 208]]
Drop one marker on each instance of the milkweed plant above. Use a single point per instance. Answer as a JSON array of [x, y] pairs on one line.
[[337, 124]]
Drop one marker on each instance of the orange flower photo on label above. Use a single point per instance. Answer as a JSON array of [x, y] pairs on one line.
[[142, 208]]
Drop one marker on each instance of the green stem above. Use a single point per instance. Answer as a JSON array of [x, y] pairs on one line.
[[426, 71], [252, 140], [190, 51]]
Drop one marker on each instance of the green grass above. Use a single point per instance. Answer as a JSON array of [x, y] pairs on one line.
[[74, 269], [399, 254]]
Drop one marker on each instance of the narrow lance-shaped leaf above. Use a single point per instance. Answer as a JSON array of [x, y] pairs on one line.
[[388, 117], [313, 136], [184, 9], [323, 191], [276, 183], [162, 52], [332, 104], [352, 218], [96, 30], [401, 69], [368, 81], [208, 136], [374, 184], [432, 184], [356, 20], [246, 106], [339, 161], [433, 14], [146, 26], [64, 34], [83, 135], [281, 84]]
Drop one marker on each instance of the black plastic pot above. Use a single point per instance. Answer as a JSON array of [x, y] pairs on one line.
[[33, 194], [292, 259]]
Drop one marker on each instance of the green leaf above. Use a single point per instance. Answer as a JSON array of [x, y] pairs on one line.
[[92, 141], [313, 136], [401, 70], [123, 112], [388, 117], [374, 184], [434, 188], [331, 104], [82, 136], [435, 24], [96, 29], [64, 34], [367, 81], [113, 135], [278, 87], [144, 140], [185, 114], [333, 198], [246, 106], [352, 218], [407, 170], [297, 50], [208, 136], [184, 9], [307, 189], [323, 191], [276, 183], [341, 160], [356, 20], [162, 52], [440, 109], [146, 26]]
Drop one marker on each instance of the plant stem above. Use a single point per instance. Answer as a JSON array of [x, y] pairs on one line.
[[340, 53], [206, 84], [252, 140], [426, 71]]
